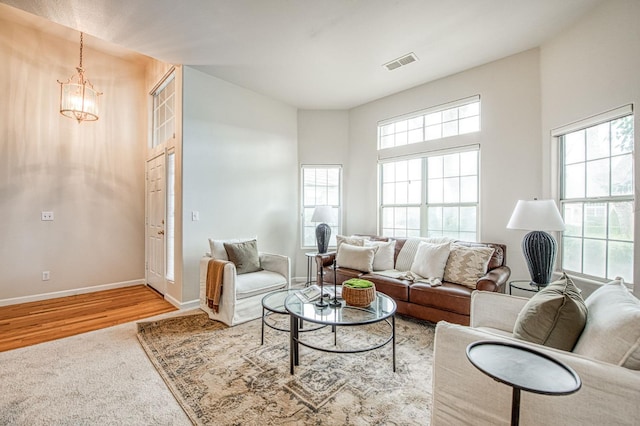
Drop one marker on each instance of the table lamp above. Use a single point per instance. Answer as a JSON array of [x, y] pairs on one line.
[[538, 246], [322, 214]]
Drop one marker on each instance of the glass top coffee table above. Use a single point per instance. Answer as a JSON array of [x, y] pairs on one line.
[[273, 303], [383, 308]]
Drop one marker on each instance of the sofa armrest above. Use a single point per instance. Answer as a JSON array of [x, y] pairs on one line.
[[325, 259], [495, 279], [608, 394], [277, 263], [495, 310]]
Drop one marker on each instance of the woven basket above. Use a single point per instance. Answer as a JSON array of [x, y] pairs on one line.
[[359, 297]]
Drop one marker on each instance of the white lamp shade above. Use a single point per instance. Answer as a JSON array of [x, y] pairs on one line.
[[322, 214], [536, 215]]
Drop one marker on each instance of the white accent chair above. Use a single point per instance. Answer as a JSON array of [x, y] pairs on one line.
[[464, 395], [241, 298]]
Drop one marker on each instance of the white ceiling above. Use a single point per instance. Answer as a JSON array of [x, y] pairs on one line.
[[318, 54]]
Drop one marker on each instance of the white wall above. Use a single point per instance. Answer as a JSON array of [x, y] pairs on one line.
[[586, 70], [91, 175], [323, 138], [509, 145], [240, 170]]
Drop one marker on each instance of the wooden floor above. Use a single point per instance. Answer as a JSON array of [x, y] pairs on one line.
[[36, 322]]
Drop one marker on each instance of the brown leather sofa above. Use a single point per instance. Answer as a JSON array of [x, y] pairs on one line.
[[450, 302]]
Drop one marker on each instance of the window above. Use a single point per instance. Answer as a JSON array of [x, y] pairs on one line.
[[171, 212], [455, 118], [597, 196], [434, 195], [321, 186], [164, 111]]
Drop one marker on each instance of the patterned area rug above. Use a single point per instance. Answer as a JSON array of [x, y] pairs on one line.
[[222, 375]]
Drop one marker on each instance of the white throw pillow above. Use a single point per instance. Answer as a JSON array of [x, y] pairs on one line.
[[466, 265], [431, 260], [383, 259], [217, 246], [353, 240], [355, 257], [410, 248], [612, 331]]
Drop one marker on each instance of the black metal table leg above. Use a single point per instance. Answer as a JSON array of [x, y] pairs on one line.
[[263, 319], [515, 407], [393, 337]]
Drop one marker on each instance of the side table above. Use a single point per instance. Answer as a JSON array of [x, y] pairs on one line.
[[311, 255], [522, 368], [526, 285]]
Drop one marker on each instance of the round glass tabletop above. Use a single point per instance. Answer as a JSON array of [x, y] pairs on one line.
[[381, 308], [274, 301]]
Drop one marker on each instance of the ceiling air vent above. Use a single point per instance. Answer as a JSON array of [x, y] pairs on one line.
[[401, 61]]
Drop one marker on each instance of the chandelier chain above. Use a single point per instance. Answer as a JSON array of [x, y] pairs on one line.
[[81, 45]]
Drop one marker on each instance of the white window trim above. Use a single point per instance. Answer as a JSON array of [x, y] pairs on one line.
[[302, 206]]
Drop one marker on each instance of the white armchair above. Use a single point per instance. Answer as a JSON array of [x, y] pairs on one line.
[[464, 395], [241, 298]]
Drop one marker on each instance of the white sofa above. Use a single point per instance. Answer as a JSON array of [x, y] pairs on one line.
[[241, 298], [463, 395]]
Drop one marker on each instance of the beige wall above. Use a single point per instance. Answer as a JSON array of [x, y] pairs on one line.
[[509, 145], [91, 175], [591, 68]]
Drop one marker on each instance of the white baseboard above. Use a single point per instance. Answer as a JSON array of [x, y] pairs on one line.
[[72, 292], [183, 306]]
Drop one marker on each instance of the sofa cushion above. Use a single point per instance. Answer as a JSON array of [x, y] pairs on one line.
[[466, 265], [355, 257], [448, 296], [395, 288], [410, 248], [612, 332], [555, 316], [244, 255], [383, 258], [430, 260]]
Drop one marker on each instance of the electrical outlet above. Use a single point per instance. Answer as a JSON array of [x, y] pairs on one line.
[[195, 216], [46, 275], [46, 216]]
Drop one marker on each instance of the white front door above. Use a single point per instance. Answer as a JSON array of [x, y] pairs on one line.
[[156, 202]]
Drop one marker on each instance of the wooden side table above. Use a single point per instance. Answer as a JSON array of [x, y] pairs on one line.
[[522, 368]]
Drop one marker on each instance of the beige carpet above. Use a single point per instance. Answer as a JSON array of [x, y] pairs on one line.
[[222, 375], [98, 378]]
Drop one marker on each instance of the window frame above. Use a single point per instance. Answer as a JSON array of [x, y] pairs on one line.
[[336, 229], [585, 201], [158, 105], [424, 204]]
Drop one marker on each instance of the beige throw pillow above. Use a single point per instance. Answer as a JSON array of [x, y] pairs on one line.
[[383, 259], [466, 265], [612, 332], [410, 248], [353, 240], [355, 257], [244, 255], [554, 317], [431, 260]]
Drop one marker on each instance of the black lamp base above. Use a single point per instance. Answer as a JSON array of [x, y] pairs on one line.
[[540, 250], [323, 233]]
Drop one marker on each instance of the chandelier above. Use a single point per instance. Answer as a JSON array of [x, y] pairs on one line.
[[78, 97]]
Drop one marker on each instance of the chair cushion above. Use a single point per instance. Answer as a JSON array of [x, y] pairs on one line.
[[244, 255], [260, 282], [554, 317], [612, 332]]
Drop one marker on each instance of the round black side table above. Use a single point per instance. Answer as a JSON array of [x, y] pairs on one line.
[[522, 368], [526, 285]]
